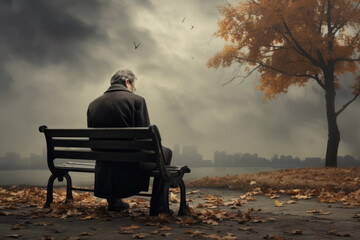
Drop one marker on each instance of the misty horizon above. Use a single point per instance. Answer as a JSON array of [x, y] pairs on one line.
[[189, 155]]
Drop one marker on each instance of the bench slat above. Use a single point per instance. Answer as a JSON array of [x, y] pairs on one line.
[[90, 167], [105, 156], [104, 144], [102, 133]]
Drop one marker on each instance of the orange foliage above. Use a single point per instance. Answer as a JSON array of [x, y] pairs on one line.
[[290, 41]]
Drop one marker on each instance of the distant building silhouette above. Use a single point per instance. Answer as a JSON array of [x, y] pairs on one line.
[[220, 159], [13, 161], [189, 155]]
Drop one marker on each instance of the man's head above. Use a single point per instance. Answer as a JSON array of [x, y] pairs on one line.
[[125, 77]]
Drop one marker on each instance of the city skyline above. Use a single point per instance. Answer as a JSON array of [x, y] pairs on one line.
[[189, 155]]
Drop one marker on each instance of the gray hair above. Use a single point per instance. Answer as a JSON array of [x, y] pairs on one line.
[[122, 75]]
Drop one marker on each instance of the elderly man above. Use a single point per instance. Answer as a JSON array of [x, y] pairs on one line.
[[119, 106]]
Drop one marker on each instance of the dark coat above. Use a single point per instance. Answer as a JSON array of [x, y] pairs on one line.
[[118, 107]]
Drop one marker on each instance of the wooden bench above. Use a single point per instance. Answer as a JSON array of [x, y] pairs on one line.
[[141, 144]]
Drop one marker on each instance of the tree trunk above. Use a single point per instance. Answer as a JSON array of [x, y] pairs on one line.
[[333, 130]]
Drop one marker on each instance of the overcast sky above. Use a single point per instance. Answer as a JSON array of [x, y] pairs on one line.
[[57, 56]]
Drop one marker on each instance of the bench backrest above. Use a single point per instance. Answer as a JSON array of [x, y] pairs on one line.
[[140, 144]]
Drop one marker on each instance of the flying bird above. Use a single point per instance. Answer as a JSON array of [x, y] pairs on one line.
[[192, 27], [183, 20], [136, 45]]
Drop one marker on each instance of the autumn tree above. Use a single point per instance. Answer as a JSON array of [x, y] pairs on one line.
[[292, 42]]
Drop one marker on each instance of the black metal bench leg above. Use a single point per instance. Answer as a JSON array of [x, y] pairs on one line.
[[183, 210], [165, 198], [69, 196], [159, 202], [49, 189], [155, 197]]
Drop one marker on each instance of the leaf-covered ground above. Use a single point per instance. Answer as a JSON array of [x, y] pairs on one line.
[[327, 184], [213, 214]]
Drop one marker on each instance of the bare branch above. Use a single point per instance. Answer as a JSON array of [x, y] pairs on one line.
[[282, 71], [346, 105], [347, 59], [303, 52], [317, 79], [244, 77]]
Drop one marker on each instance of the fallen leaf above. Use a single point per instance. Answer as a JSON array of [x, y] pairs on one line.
[[14, 235], [345, 235], [85, 234], [275, 237], [245, 228], [45, 224], [131, 227], [278, 203], [293, 191], [5, 213], [87, 217], [212, 236], [200, 205], [303, 197], [193, 192], [211, 222], [15, 227], [335, 233], [290, 202], [47, 238], [273, 196], [332, 232], [296, 231], [319, 211], [258, 220], [212, 207], [128, 229], [229, 236], [165, 234], [155, 232], [252, 183], [125, 231], [73, 238], [197, 233], [173, 198], [176, 190], [165, 228], [151, 224], [140, 235]]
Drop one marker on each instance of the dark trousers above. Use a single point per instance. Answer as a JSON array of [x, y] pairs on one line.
[[156, 204], [159, 193]]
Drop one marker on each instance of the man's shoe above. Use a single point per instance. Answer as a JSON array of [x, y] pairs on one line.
[[118, 206]]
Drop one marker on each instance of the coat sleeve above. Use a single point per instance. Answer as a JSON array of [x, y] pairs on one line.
[[88, 118], [142, 116]]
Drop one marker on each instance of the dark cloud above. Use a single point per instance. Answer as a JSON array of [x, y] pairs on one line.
[[41, 32]]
